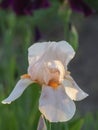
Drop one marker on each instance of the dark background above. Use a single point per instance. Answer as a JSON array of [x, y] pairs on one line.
[[84, 67]]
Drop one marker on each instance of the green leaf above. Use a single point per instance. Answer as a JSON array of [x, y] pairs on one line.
[[76, 124], [64, 14], [91, 121]]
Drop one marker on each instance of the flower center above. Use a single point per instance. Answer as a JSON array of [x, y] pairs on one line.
[[53, 84], [25, 76]]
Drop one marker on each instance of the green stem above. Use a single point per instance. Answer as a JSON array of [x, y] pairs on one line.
[[49, 126], [65, 14]]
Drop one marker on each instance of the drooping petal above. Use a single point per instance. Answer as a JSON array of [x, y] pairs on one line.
[[41, 124], [55, 105], [51, 51], [17, 91], [72, 89]]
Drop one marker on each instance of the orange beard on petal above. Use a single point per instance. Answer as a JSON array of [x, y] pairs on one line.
[[25, 76], [53, 84]]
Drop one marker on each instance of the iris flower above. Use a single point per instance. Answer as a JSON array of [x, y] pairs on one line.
[[48, 67]]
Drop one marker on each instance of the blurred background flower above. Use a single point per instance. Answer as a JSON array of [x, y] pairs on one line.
[[81, 6], [24, 7]]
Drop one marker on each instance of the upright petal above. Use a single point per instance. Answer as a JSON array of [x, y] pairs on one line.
[[51, 51], [55, 105], [72, 89], [17, 91], [64, 51], [36, 50], [60, 51]]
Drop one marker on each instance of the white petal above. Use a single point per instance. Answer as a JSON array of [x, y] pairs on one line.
[[53, 51], [61, 51], [36, 50], [41, 124], [55, 105], [56, 66], [73, 91], [65, 52], [17, 91]]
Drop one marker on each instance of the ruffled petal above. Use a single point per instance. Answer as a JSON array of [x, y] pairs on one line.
[[36, 50], [64, 51], [17, 91], [72, 89], [55, 105], [51, 51]]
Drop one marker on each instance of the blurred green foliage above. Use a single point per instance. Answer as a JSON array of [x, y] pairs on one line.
[[16, 35]]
